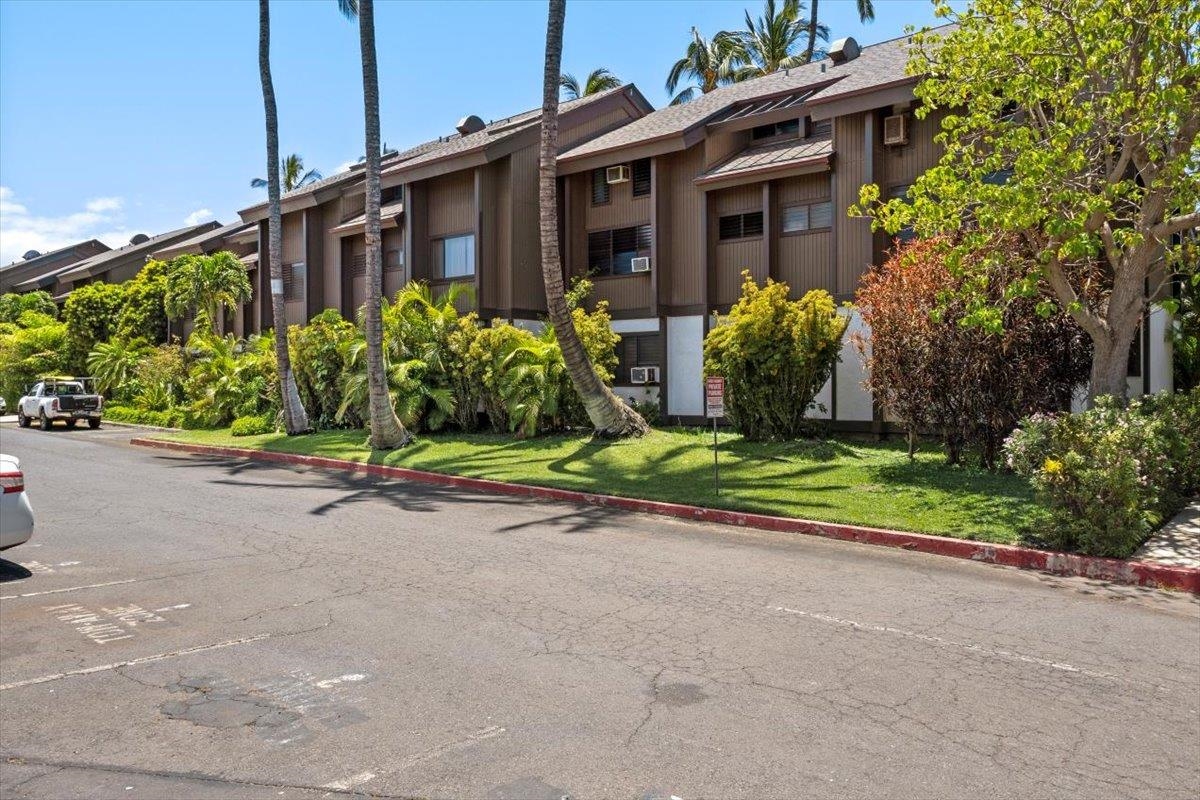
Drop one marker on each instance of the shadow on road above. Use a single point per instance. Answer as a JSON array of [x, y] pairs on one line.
[[402, 495], [10, 571]]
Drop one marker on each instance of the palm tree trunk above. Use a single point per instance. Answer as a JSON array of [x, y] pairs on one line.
[[610, 416], [295, 420], [812, 33], [386, 430]]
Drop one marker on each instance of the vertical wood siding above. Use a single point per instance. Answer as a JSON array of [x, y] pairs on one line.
[[451, 204], [853, 236], [804, 261], [728, 259], [528, 289], [683, 249], [293, 237]]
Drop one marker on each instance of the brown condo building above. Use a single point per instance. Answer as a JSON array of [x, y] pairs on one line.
[[662, 209]]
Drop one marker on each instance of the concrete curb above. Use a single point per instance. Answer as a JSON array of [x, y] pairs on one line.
[[1135, 573]]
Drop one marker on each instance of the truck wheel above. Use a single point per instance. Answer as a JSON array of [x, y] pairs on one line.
[[22, 420], [71, 424], [93, 424], [44, 421]]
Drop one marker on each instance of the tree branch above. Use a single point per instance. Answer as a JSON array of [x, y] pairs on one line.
[[1177, 224]]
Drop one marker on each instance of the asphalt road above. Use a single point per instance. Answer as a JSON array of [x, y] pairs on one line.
[[192, 627]]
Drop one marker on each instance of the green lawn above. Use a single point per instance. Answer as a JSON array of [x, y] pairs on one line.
[[830, 480]]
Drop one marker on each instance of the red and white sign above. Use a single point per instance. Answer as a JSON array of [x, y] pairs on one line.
[[714, 397]]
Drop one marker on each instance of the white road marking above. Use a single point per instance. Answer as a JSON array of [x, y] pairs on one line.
[[352, 677], [68, 563], [68, 589], [133, 662], [938, 640], [351, 782], [172, 608]]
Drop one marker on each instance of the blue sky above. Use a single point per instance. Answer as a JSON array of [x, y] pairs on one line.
[[125, 117]]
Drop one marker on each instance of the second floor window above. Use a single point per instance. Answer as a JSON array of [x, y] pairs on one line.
[[600, 187], [807, 217], [612, 252], [641, 177], [293, 282], [789, 128], [454, 256], [740, 226], [393, 260]]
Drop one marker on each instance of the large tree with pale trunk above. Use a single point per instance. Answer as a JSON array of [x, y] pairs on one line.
[[386, 430], [1074, 126], [295, 420], [610, 416]]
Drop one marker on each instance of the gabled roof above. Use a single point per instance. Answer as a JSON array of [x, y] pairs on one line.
[[877, 66], [388, 215], [32, 270], [98, 265], [500, 130], [201, 241]]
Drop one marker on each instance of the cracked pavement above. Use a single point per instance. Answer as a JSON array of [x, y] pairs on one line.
[[202, 627]]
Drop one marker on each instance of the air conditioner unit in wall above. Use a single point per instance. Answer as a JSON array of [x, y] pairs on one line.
[[640, 264], [617, 174], [643, 375], [895, 129]]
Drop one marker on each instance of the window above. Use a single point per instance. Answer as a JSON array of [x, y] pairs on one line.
[[641, 177], [789, 127], [454, 256], [393, 260], [906, 233], [358, 265], [812, 216], [637, 350], [740, 226], [600, 188], [612, 252], [293, 282]]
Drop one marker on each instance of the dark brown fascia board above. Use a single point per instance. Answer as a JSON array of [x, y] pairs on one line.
[[865, 99], [769, 172]]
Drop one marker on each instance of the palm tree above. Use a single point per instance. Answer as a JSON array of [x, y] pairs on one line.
[[598, 80], [710, 62], [609, 415], [866, 13], [295, 420], [294, 176], [767, 45], [206, 285], [386, 430]]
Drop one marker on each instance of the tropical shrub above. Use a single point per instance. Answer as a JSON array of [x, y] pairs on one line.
[[206, 285], [114, 365], [775, 355], [91, 314], [230, 378], [252, 426], [144, 314], [28, 353], [160, 376], [166, 418], [487, 359], [1108, 476], [13, 305], [319, 351], [969, 376]]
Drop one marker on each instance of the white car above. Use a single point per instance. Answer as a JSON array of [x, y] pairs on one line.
[[16, 515]]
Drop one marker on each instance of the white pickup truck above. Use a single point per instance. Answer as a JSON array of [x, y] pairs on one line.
[[65, 399]]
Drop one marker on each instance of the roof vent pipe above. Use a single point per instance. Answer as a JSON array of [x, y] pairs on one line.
[[843, 50], [469, 124], [140, 238], [30, 254]]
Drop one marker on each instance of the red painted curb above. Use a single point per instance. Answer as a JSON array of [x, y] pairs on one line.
[[1135, 573]]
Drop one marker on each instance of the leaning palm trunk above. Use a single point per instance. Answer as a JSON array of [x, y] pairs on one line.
[[295, 420], [610, 416], [810, 48], [386, 430]]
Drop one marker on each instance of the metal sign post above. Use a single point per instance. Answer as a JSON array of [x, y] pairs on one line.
[[714, 408]]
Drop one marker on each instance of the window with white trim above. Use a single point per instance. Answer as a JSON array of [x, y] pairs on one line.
[[454, 256], [807, 217]]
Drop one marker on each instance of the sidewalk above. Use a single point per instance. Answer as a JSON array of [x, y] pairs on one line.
[[1178, 542]]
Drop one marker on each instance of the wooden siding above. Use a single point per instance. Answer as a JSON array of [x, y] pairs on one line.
[[393, 280], [528, 288], [314, 257], [293, 237], [728, 259], [683, 245], [450, 204], [621, 211], [902, 165], [420, 264], [805, 260], [335, 213], [627, 295], [591, 128], [853, 236]]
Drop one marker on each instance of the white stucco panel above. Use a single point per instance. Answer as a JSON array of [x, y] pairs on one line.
[[685, 366]]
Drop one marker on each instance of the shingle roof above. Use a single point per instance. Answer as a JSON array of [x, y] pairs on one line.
[[386, 211], [51, 255], [777, 155], [204, 236], [877, 65], [95, 264], [495, 131]]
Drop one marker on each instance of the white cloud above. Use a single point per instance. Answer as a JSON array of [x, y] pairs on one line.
[[345, 166], [21, 231], [198, 216]]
